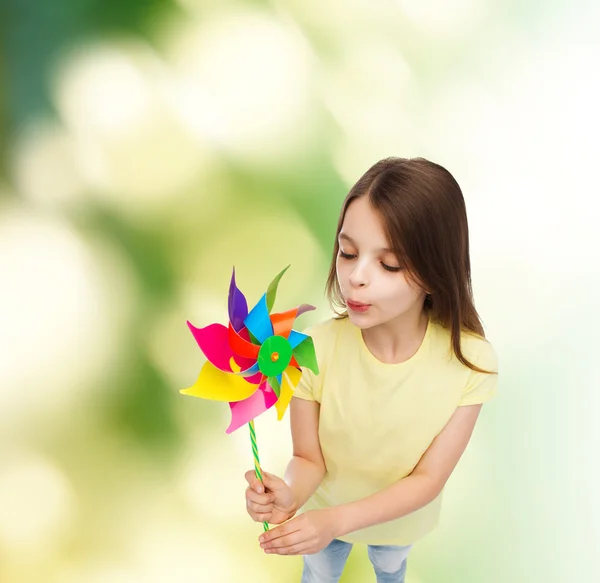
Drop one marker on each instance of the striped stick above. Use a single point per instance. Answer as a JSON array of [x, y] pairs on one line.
[[256, 460]]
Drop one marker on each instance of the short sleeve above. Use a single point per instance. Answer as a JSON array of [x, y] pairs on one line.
[[481, 387], [306, 387]]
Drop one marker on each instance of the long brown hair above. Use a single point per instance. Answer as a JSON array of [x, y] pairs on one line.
[[425, 221]]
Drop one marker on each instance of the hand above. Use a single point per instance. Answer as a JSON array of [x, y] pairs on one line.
[[271, 501], [304, 535]]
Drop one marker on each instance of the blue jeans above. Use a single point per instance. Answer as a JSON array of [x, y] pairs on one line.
[[327, 565]]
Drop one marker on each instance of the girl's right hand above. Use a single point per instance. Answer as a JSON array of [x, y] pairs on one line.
[[274, 502]]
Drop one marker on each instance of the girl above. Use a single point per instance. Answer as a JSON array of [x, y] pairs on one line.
[[404, 371]]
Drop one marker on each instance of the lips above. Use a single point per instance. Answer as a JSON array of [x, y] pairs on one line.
[[357, 306]]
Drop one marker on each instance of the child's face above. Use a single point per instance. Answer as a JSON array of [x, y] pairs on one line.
[[375, 286]]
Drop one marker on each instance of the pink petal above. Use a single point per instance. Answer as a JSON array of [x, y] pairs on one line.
[[244, 411], [213, 340], [243, 362], [255, 379]]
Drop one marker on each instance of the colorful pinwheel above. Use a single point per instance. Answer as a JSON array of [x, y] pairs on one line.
[[254, 363]]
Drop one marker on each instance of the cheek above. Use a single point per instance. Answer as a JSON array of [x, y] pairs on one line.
[[397, 290]]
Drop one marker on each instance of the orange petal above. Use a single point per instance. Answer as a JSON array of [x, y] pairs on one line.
[[283, 322]]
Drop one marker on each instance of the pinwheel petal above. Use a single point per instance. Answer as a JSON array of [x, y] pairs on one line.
[[291, 378], [272, 289], [283, 322], [238, 306], [213, 341], [296, 338], [255, 379], [274, 384], [241, 346], [258, 322], [217, 385], [238, 363], [305, 355], [249, 372], [304, 308], [243, 412]]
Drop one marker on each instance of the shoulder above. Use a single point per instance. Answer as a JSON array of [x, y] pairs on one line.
[[326, 336], [479, 351], [476, 349], [327, 330]]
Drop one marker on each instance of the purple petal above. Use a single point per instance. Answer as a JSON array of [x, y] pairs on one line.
[[238, 306], [304, 308]]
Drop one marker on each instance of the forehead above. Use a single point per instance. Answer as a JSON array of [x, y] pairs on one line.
[[363, 224]]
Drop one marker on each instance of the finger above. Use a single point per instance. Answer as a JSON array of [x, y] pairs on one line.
[[259, 498], [287, 528], [298, 538], [254, 482], [280, 536], [302, 548], [285, 541], [260, 517], [259, 507], [294, 550]]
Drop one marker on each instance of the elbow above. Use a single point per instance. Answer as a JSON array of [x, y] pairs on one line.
[[432, 486], [317, 462], [320, 467]]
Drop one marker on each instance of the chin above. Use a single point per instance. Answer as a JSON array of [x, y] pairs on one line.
[[362, 321]]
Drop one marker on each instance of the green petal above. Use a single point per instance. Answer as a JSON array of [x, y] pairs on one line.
[[272, 290], [275, 385], [305, 355], [253, 338]]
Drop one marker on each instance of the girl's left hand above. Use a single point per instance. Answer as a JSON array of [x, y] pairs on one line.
[[304, 535]]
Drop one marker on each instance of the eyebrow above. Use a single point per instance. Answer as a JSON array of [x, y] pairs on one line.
[[351, 240]]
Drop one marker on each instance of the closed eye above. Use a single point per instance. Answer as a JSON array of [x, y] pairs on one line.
[[390, 268]]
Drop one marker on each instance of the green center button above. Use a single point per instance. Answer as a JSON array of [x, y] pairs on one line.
[[274, 356]]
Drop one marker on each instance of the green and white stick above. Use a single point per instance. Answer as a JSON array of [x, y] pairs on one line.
[[256, 460]]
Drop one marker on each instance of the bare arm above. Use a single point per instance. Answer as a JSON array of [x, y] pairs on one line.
[[419, 488], [307, 467]]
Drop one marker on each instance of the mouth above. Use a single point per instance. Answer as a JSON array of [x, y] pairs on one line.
[[357, 306]]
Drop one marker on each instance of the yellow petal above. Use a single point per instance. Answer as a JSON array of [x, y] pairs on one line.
[[216, 385], [290, 378]]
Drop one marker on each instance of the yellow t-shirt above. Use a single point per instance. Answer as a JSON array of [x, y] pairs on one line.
[[377, 419]]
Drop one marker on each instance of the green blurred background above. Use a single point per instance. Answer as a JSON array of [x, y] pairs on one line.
[[147, 146]]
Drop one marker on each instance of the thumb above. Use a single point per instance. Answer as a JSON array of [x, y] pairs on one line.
[[272, 482], [254, 482]]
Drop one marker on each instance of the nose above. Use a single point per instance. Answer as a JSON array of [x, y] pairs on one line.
[[359, 276]]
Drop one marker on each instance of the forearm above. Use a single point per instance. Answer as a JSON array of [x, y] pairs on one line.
[[395, 501], [303, 476]]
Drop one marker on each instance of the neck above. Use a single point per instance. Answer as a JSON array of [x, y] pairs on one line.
[[399, 339]]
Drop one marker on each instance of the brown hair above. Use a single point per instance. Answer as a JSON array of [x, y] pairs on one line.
[[425, 221]]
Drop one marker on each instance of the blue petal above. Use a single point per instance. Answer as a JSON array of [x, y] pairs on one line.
[[249, 371], [296, 337], [258, 321]]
